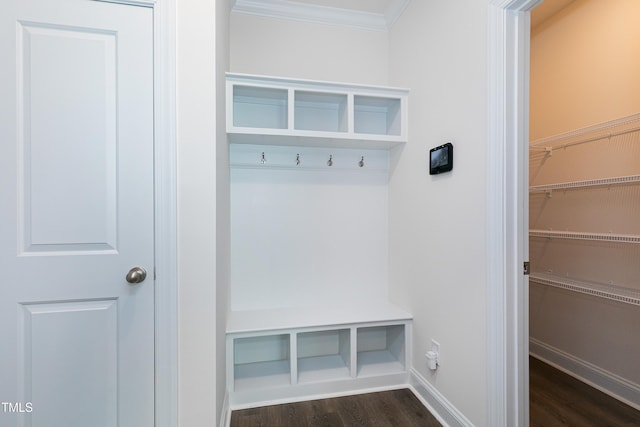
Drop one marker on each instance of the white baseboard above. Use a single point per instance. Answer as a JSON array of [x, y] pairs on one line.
[[225, 412], [605, 381], [447, 414]]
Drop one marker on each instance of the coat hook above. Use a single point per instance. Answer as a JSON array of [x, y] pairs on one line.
[[361, 162], [330, 161], [263, 160], [298, 159]]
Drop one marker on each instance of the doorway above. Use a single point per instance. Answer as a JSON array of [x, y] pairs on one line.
[[584, 192], [507, 191]]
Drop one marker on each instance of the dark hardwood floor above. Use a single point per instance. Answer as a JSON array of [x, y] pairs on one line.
[[556, 400], [383, 409]]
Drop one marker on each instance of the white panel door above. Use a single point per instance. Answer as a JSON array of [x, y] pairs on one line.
[[76, 214]]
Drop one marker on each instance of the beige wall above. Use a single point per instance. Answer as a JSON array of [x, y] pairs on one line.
[[585, 66], [438, 49], [584, 71]]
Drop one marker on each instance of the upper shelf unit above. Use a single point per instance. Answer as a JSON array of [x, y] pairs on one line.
[[278, 111]]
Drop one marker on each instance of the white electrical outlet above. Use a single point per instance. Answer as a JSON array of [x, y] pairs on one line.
[[435, 347]]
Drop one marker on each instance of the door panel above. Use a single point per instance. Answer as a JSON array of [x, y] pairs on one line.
[[68, 131], [76, 184], [88, 361]]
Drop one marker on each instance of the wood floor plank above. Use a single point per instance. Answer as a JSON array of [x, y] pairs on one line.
[[387, 406], [328, 419], [414, 410], [321, 413], [353, 410], [558, 399]]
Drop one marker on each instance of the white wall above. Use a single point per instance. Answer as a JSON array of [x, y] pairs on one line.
[[200, 36], [324, 242], [308, 237], [312, 51], [438, 49]]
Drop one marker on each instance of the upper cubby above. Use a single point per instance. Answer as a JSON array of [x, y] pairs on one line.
[[280, 111], [259, 107], [374, 115]]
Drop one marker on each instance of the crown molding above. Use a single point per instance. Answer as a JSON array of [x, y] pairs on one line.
[[393, 12], [304, 12], [143, 3]]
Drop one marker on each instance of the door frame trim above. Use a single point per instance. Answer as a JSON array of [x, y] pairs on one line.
[[165, 210], [507, 226], [166, 202]]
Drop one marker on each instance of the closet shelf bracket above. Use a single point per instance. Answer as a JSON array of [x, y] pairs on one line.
[[548, 150]]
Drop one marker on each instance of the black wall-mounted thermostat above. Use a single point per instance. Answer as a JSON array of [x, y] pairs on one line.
[[441, 159]]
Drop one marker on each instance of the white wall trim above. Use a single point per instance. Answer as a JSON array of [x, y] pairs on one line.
[[143, 3], [496, 253], [225, 411], [291, 10], [166, 292], [601, 379], [436, 403], [304, 12], [394, 11], [507, 242]]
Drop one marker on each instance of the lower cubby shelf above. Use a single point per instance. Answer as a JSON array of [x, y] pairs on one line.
[[322, 368], [251, 376], [323, 355], [314, 358], [381, 350], [261, 361]]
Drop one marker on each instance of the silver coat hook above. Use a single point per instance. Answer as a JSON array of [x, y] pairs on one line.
[[361, 162], [298, 159], [263, 159], [330, 161]]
